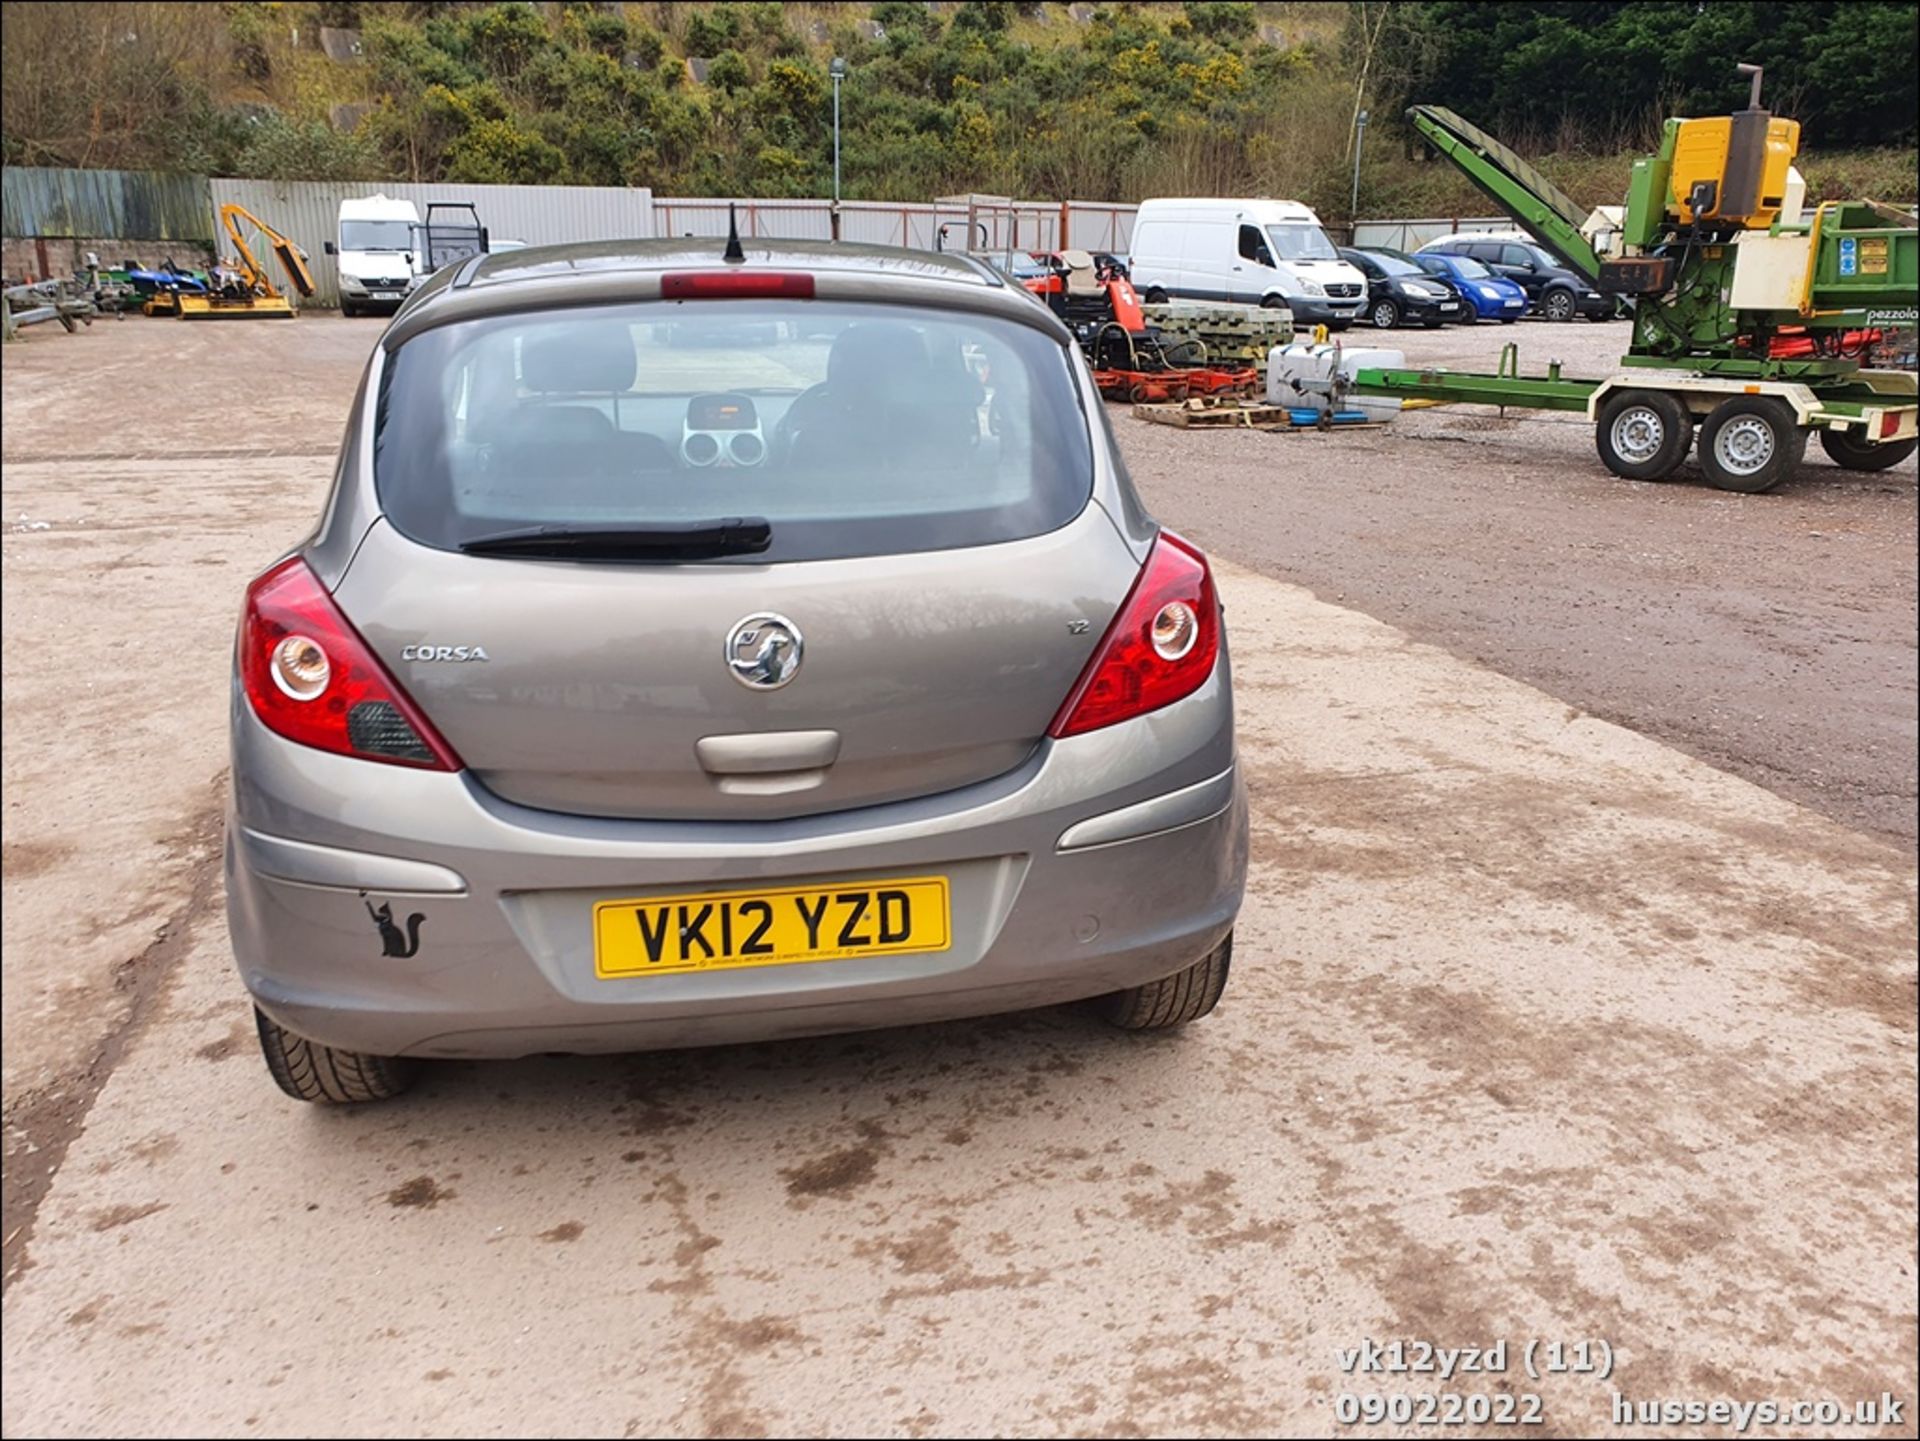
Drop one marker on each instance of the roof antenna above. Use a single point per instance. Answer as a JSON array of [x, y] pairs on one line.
[[733, 254]]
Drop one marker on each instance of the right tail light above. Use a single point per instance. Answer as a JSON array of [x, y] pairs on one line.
[[1160, 648]]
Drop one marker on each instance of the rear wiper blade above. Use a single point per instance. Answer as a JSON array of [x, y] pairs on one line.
[[665, 540]]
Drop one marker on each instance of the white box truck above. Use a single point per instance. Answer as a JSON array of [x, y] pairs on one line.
[[378, 253], [1244, 252]]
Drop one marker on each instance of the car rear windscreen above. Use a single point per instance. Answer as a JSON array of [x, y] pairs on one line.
[[853, 429]]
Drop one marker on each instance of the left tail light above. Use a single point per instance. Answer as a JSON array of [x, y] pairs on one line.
[[311, 678], [1160, 648]]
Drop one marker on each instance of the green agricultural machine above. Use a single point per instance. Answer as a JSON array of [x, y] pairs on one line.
[[1753, 320]]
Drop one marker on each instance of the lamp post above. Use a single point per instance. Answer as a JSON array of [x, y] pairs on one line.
[[1359, 139], [838, 70]]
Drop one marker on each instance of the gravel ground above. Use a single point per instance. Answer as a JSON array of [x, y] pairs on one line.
[[1772, 635]]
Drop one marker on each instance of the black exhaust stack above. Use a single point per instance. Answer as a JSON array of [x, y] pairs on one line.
[[1746, 158]]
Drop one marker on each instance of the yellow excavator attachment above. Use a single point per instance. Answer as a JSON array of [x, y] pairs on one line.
[[253, 295]]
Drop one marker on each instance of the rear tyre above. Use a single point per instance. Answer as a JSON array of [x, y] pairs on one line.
[[1156, 296], [1643, 434], [1849, 453], [1384, 315], [1558, 305], [309, 1071], [1750, 444], [1172, 1000]]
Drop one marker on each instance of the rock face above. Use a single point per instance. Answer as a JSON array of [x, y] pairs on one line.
[[697, 69], [871, 29], [348, 113], [341, 45]]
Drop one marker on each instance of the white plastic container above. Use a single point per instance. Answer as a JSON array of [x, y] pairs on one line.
[[1300, 376]]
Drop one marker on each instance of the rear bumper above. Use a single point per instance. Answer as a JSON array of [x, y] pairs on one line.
[[1106, 861]]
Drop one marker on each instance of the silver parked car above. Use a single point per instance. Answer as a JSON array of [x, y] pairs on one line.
[[695, 651]]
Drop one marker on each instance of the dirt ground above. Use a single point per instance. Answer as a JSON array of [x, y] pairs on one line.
[[1540, 1028], [1772, 636]]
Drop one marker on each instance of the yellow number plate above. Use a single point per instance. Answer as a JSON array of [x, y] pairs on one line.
[[732, 930]]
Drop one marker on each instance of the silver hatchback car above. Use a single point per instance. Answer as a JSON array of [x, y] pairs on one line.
[[697, 649]]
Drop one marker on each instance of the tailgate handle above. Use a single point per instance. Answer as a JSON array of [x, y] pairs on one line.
[[768, 752]]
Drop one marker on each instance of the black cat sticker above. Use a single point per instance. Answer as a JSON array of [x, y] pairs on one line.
[[393, 940]]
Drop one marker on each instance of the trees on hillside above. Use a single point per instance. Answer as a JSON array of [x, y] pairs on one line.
[[1586, 72], [977, 96]]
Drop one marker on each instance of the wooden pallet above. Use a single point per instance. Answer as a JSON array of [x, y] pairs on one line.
[[1201, 413]]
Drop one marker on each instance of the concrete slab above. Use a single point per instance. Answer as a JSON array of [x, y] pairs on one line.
[[1539, 1031]]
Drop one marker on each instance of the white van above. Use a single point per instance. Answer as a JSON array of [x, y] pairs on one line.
[[378, 253], [1248, 252]]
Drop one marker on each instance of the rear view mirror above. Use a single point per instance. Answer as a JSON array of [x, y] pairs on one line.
[[329, 247]]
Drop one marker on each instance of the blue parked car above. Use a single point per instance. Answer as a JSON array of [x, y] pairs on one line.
[[1493, 297]]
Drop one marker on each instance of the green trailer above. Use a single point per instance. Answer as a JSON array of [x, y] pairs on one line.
[[1751, 317]]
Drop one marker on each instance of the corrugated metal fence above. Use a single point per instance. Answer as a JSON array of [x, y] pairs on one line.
[[1412, 234], [308, 212], [107, 204], [941, 225], [103, 204]]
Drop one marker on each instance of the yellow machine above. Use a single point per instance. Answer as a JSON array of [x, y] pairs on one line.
[[243, 290], [1732, 167]]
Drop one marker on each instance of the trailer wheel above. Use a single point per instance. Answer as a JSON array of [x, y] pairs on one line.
[[1751, 443], [1849, 452], [1643, 434]]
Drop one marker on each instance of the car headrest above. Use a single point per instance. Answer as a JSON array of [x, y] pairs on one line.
[[541, 427], [876, 354], [595, 359]]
